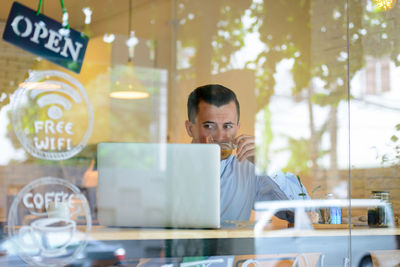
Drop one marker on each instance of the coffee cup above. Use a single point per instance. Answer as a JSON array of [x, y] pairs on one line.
[[50, 235]]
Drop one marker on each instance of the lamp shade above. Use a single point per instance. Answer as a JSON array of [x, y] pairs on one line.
[[125, 84]]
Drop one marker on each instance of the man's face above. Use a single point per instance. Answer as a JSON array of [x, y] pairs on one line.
[[214, 124]]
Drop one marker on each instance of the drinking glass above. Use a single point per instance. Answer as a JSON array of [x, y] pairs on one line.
[[226, 149]]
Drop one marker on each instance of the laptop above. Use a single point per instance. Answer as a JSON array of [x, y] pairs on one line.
[[158, 185]]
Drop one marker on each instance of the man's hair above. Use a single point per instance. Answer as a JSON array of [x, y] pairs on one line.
[[213, 94]]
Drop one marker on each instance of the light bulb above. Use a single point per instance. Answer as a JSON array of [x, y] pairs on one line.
[[129, 95], [88, 14], [108, 38]]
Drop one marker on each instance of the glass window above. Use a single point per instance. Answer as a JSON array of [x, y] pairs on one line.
[[107, 165]]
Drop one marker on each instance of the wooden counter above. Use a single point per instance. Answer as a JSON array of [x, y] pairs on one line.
[[238, 243], [112, 233], [175, 244]]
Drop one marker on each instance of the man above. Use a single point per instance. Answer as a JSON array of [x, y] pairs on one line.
[[213, 116]]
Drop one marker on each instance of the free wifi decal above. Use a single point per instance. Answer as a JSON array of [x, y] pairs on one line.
[[52, 116]]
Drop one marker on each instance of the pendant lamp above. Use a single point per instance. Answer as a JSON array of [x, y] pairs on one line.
[[124, 81]]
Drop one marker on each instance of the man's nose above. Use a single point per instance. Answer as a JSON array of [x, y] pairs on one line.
[[220, 136]]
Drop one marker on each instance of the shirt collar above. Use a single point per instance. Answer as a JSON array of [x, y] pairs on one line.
[[224, 163]]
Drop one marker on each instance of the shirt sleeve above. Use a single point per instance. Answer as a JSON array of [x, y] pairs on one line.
[[290, 185], [268, 190]]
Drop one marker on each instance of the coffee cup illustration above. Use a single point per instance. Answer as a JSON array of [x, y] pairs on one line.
[[59, 210], [50, 235], [43, 222]]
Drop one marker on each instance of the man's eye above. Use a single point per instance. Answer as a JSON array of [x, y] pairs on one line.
[[228, 126], [208, 126]]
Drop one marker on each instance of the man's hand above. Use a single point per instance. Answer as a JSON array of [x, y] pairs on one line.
[[245, 147]]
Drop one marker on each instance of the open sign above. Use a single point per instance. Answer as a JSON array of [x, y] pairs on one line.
[[41, 35]]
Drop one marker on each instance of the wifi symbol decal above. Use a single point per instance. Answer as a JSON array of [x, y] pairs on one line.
[[53, 96], [55, 136]]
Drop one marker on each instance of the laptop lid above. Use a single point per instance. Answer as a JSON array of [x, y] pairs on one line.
[[159, 185]]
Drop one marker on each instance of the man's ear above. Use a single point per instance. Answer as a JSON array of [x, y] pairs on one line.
[[238, 125], [189, 127]]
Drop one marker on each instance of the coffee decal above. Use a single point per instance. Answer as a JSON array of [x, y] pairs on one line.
[[43, 222], [51, 114]]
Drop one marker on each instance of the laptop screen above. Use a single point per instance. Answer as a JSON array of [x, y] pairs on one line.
[[159, 185]]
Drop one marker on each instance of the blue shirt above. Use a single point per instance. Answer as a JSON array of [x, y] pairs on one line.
[[241, 188]]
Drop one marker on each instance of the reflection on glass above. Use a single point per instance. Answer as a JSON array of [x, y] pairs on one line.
[[385, 4], [374, 103], [144, 118], [302, 93]]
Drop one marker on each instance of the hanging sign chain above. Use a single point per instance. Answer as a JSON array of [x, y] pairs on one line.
[[64, 10], [39, 7], [65, 15]]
